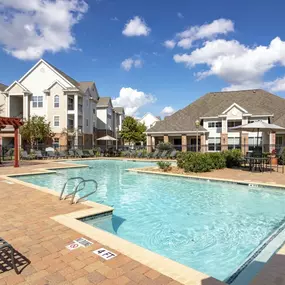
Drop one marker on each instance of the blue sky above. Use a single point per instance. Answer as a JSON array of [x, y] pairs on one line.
[[219, 45]]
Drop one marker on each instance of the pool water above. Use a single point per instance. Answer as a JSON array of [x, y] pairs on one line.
[[209, 226]]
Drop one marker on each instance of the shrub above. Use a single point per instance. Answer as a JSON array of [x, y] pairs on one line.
[[218, 160], [181, 157], [164, 146], [164, 165], [233, 157], [198, 162]]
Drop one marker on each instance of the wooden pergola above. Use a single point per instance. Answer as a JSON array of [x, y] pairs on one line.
[[16, 123]]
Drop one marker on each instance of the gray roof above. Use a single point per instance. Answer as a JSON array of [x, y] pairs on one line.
[[103, 101], [119, 110], [84, 85], [256, 102], [67, 77], [2, 87]]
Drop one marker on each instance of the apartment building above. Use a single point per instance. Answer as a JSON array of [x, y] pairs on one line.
[[149, 120], [69, 105], [211, 117]]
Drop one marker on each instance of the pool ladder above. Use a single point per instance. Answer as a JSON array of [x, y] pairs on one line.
[[79, 187]]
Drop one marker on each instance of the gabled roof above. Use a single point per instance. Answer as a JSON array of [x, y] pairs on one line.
[[119, 110], [3, 87], [84, 85], [148, 113], [20, 85], [104, 102], [256, 102]]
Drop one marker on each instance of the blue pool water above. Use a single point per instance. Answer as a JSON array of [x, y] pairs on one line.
[[211, 227]]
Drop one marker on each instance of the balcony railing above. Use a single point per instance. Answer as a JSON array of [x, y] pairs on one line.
[[70, 106]]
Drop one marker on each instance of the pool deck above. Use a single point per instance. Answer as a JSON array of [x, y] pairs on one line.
[[33, 222]]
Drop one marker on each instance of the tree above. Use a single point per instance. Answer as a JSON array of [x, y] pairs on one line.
[[36, 130], [132, 131]]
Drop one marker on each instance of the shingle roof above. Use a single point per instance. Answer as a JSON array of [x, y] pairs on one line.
[[103, 101], [256, 102], [2, 87], [119, 110], [67, 77], [84, 85]]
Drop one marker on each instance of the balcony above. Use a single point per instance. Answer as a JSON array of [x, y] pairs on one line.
[[80, 108], [70, 107]]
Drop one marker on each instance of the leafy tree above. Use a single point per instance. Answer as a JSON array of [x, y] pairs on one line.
[[36, 130], [132, 131]]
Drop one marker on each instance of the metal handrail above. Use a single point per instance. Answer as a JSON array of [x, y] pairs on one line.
[[69, 179], [77, 190]]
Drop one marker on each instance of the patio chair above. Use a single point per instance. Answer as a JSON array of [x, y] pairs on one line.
[[25, 156], [4, 245], [156, 154], [39, 155], [62, 154], [80, 153], [163, 155], [91, 152], [139, 154], [86, 153], [71, 153], [173, 154], [51, 154]]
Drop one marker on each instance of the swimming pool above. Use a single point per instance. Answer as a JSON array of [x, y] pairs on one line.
[[209, 226]]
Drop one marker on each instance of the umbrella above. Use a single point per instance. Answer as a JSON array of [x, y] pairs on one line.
[[257, 127], [106, 138]]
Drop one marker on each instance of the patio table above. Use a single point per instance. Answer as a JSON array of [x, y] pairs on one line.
[[257, 163]]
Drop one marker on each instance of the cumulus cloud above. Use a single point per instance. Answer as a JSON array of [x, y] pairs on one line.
[[276, 85], [186, 38], [241, 66], [28, 29], [170, 44], [136, 27], [130, 63], [167, 111], [132, 100]]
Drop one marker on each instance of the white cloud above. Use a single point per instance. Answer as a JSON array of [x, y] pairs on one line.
[[276, 85], [241, 66], [186, 38], [180, 15], [170, 44], [114, 19], [28, 29], [167, 111], [136, 27], [132, 100], [130, 63]]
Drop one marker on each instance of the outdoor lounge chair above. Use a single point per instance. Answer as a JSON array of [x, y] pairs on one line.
[[4, 245], [173, 154], [62, 154], [71, 153], [39, 155], [91, 152], [51, 154], [155, 154], [163, 155], [24, 155], [80, 153]]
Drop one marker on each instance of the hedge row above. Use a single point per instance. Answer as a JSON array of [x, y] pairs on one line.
[[204, 162]]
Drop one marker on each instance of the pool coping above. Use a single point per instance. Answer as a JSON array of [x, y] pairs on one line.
[[179, 272]]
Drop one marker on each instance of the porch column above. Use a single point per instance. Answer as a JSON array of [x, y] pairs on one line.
[[203, 143], [16, 146], [149, 143], [244, 142], [184, 143], [272, 141], [25, 106], [165, 139], [75, 102], [224, 142]]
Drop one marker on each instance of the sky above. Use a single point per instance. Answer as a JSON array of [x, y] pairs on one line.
[[149, 55]]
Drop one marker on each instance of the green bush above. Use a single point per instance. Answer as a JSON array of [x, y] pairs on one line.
[[198, 162], [233, 157], [164, 146], [218, 160], [164, 165], [182, 157]]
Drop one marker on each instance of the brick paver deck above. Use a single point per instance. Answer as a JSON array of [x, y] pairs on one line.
[[25, 222]]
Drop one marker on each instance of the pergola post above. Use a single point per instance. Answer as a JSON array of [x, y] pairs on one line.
[[16, 146]]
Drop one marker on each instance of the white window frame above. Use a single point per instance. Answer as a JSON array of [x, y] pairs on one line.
[[236, 142], [56, 101], [216, 144], [36, 102], [56, 116]]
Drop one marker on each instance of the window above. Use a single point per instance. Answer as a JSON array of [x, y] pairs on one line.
[[37, 101], [70, 123], [56, 121], [56, 101], [55, 143], [232, 124], [87, 122], [214, 144], [234, 143], [214, 124], [70, 103], [252, 142]]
